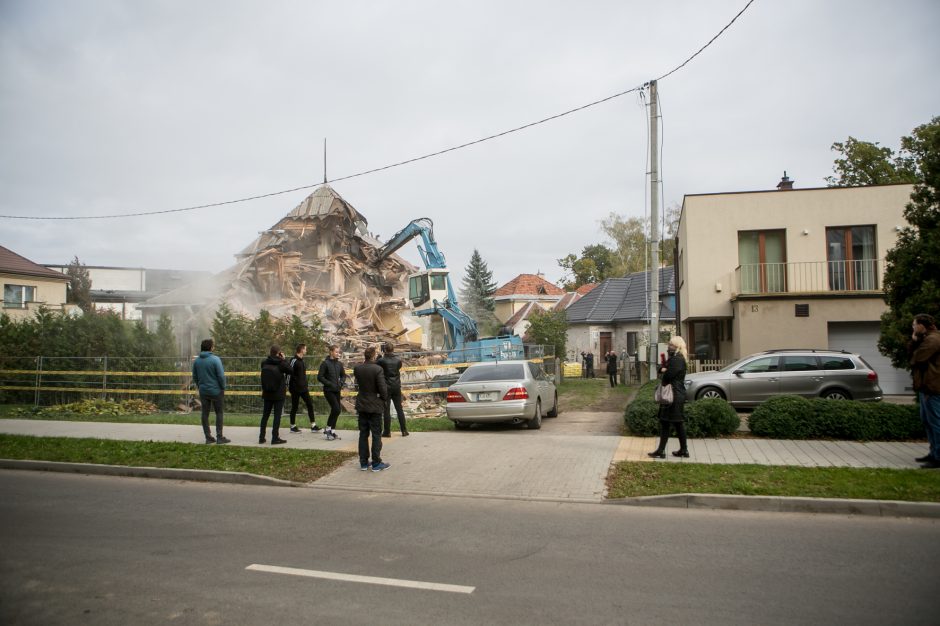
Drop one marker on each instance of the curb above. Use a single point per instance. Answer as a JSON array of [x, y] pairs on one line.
[[211, 476], [781, 504]]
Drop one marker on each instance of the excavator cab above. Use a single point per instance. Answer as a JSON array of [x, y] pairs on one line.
[[426, 287]]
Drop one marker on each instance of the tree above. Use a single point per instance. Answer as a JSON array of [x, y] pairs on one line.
[[866, 163], [79, 288], [629, 237], [912, 270], [596, 263], [238, 335], [549, 328], [478, 289]]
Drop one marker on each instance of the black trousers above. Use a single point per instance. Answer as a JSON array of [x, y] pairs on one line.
[[332, 397], [295, 399], [394, 395], [370, 424], [664, 429], [278, 406], [613, 379], [218, 403]]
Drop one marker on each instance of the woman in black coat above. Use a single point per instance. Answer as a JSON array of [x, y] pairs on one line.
[[673, 415]]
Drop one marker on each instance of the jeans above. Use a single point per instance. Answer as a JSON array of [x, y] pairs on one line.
[[332, 397], [394, 395], [217, 403], [930, 414], [295, 399], [370, 424], [278, 406]]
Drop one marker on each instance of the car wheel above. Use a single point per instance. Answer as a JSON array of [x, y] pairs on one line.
[[554, 411], [836, 394], [536, 422], [462, 425], [710, 393]]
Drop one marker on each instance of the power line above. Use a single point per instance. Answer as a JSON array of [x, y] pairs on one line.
[[392, 165]]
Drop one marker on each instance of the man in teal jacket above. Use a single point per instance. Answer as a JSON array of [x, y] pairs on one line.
[[209, 378]]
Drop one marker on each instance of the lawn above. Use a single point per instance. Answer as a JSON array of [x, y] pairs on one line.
[[295, 465], [631, 479], [577, 394]]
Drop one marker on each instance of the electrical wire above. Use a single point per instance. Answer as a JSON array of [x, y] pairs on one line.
[[392, 165]]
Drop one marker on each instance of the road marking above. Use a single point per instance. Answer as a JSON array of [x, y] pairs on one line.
[[353, 578]]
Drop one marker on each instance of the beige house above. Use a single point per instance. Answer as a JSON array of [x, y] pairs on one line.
[[28, 285], [522, 291], [791, 268]]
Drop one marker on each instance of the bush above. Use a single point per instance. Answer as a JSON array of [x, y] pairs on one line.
[[704, 418], [94, 407], [793, 417]]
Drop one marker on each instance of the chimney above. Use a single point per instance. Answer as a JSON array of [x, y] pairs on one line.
[[785, 183]]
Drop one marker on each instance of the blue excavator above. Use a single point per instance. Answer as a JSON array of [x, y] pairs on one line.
[[432, 293]]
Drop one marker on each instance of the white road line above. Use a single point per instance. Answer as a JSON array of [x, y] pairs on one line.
[[353, 578]]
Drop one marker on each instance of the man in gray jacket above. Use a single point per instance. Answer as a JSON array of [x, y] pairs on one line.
[[370, 405], [209, 378]]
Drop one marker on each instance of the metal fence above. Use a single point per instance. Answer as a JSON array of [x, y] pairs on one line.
[[46, 381]]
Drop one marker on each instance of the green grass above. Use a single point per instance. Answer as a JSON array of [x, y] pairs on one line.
[[631, 479], [286, 464], [345, 422]]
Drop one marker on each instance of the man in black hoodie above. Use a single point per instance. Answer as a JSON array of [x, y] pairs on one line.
[[370, 402], [299, 391], [274, 372], [332, 376], [391, 365]]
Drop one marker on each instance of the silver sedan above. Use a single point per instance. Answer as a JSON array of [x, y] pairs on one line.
[[502, 391]]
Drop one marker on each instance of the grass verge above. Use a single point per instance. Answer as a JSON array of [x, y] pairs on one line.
[[296, 465], [631, 479]]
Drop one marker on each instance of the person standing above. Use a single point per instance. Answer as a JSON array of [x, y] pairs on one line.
[[299, 390], [391, 366], [209, 378], [274, 372], [370, 405], [673, 415], [590, 364], [925, 371], [332, 376], [611, 358], [584, 364]]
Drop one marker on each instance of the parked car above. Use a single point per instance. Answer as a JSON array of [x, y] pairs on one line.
[[832, 374], [502, 391]]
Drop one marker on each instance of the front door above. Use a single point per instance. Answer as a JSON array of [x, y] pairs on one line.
[[606, 342]]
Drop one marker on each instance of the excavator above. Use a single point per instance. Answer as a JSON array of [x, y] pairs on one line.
[[432, 294]]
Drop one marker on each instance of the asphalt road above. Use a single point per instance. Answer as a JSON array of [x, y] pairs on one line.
[[100, 550]]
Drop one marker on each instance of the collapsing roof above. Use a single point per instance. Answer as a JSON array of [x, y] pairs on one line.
[[313, 262]]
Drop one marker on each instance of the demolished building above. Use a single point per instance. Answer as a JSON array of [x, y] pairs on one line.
[[315, 261]]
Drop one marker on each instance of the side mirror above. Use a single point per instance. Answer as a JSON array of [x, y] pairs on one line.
[[737, 372]]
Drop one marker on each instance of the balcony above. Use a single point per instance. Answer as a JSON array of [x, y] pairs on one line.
[[811, 277]]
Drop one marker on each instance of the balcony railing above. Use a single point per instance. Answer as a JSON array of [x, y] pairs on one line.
[[809, 277]]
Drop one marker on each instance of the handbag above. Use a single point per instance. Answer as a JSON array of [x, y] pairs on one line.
[[663, 394]]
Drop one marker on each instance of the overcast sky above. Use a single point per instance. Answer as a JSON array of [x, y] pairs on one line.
[[129, 106]]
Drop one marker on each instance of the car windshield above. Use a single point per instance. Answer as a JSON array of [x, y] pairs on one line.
[[495, 371]]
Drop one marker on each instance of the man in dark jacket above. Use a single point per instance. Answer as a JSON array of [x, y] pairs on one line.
[[332, 376], [391, 365], [209, 378], [274, 372], [370, 405], [299, 391], [925, 369]]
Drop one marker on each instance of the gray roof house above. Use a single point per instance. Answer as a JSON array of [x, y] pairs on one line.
[[615, 314]]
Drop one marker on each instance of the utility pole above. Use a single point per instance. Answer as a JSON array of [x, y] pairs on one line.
[[654, 231]]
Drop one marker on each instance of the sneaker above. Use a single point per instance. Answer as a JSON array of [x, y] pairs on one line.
[[330, 435], [314, 429], [294, 429], [221, 440], [386, 435], [363, 467], [210, 439], [277, 441], [378, 467], [261, 440]]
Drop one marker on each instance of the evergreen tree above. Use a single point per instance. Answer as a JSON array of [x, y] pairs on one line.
[[79, 288], [478, 289], [912, 272]]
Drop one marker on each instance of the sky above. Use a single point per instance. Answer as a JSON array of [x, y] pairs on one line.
[[122, 106]]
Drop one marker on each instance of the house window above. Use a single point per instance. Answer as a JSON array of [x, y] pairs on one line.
[[762, 259], [16, 296], [851, 256], [631, 342]]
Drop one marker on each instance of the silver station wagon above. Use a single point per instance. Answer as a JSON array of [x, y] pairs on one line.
[[831, 374], [502, 391]]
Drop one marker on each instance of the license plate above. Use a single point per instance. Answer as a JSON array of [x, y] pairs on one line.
[[487, 396]]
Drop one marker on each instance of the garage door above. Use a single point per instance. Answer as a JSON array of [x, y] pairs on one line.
[[862, 338]]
